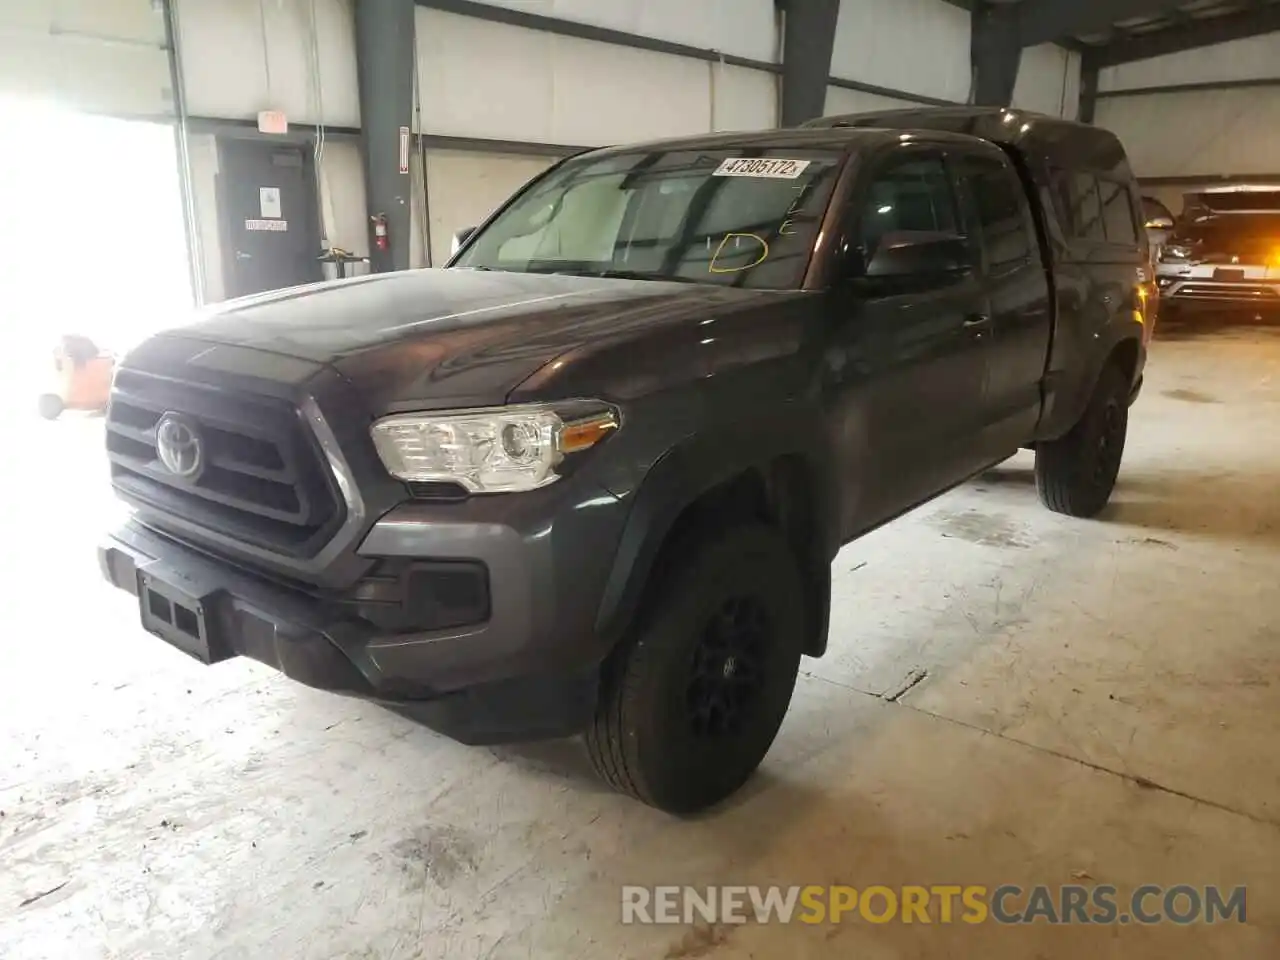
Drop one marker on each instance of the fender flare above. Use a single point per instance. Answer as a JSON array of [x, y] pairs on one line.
[[698, 464], [1066, 415]]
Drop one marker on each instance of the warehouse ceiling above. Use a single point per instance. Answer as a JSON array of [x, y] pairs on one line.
[[1120, 31]]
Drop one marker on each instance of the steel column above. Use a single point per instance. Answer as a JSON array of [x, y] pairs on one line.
[[385, 51], [808, 38], [995, 51]]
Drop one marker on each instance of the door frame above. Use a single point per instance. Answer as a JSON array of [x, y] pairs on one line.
[[229, 142]]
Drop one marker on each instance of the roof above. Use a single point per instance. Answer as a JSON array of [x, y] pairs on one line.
[[842, 139]]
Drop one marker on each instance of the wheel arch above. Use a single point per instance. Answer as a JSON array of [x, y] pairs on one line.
[[706, 481]]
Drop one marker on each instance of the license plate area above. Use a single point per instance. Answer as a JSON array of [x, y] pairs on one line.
[[1229, 275], [180, 617]]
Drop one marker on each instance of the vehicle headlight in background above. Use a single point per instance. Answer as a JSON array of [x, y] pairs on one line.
[[498, 450]]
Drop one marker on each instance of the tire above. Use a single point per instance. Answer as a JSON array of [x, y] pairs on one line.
[[50, 406], [692, 701], [1076, 473]]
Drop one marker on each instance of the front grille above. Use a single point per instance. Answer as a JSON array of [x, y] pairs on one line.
[[265, 481]]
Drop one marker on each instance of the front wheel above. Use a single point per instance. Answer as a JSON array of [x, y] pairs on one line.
[[1076, 473], [691, 704]]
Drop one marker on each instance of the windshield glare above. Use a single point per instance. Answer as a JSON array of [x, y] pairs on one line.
[[739, 218]]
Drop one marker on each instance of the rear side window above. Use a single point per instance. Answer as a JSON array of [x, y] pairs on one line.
[[1117, 213], [1096, 209], [1086, 208], [993, 200]]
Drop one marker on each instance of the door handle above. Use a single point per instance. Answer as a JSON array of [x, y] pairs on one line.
[[977, 321], [241, 255]]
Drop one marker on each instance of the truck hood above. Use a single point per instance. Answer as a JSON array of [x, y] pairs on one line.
[[439, 338]]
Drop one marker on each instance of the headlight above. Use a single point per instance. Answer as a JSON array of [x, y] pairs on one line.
[[500, 450]]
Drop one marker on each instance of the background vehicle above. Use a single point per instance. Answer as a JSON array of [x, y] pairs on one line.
[[1224, 253], [592, 477]]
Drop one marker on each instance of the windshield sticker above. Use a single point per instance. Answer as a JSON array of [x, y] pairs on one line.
[[754, 245], [768, 169]]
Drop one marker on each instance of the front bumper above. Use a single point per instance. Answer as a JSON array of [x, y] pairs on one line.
[[527, 670], [1259, 290]]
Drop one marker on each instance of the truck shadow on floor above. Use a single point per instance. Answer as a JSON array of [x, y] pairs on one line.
[[1219, 504]]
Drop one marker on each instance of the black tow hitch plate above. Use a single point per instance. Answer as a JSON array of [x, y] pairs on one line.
[[180, 614]]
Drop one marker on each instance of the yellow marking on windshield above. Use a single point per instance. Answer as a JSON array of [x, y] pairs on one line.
[[713, 266]]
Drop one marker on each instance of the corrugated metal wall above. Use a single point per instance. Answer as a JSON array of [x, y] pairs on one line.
[[919, 46], [1199, 133], [545, 88], [102, 56], [743, 28], [1049, 81]]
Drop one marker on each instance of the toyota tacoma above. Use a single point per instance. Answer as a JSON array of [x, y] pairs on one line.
[[590, 478]]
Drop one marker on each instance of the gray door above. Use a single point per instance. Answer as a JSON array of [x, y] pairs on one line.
[[268, 202]]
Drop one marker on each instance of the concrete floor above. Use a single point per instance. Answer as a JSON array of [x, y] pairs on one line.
[[1099, 702]]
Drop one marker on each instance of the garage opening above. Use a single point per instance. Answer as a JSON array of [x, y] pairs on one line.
[[93, 241]]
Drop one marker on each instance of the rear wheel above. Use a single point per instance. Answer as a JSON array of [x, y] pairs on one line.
[[691, 704], [1076, 473]]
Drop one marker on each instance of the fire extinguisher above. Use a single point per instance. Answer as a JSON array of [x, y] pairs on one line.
[[380, 238]]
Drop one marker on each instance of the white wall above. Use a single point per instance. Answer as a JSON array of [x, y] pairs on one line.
[[744, 28], [920, 46], [233, 68], [100, 56], [539, 87], [843, 100], [1201, 132], [1256, 57], [1049, 81], [464, 189]]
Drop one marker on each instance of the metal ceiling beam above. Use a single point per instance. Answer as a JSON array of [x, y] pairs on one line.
[[1191, 36], [1044, 21]]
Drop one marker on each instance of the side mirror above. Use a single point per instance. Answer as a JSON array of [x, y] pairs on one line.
[[1160, 223], [925, 255], [461, 237]]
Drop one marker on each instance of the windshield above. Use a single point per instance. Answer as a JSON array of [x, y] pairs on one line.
[[702, 216], [1238, 233]]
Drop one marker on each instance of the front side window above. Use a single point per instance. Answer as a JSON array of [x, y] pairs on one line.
[[994, 200], [911, 195], [705, 216]]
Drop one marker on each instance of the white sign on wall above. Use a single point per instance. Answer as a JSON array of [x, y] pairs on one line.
[[269, 202]]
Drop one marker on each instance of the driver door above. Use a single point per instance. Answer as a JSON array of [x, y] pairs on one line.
[[908, 359]]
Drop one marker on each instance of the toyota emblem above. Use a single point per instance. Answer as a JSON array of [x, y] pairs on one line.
[[179, 446]]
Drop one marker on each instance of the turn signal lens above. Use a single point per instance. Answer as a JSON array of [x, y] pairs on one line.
[[584, 434], [1273, 261]]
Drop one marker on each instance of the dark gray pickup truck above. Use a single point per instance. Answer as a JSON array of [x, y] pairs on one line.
[[591, 477]]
